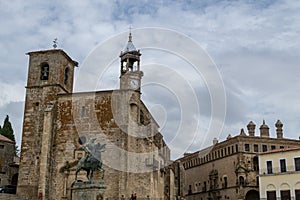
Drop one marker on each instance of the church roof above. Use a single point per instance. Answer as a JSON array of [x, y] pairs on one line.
[[5, 139], [129, 47]]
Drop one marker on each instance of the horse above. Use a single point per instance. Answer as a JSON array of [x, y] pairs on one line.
[[90, 163], [89, 167]]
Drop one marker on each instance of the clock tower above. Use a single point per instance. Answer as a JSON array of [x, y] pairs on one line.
[[131, 75]]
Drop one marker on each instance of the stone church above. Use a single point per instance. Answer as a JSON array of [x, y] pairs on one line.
[[57, 121]]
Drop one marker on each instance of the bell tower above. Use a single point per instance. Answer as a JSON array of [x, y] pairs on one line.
[[50, 73], [131, 75]]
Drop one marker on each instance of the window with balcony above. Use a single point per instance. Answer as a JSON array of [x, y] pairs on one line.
[[282, 165], [247, 147], [264, 148], [269, 167], [255, 163], [297, 164], [255, 148], [273, 147]]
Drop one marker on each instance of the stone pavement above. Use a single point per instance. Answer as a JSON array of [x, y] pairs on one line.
[[8, 197]]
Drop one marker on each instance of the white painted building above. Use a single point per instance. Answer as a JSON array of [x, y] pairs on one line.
[[279, 174]]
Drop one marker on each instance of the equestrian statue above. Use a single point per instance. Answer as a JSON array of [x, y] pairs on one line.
[[92, 160]]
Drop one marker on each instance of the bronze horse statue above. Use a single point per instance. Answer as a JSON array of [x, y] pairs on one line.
[[92, 161]]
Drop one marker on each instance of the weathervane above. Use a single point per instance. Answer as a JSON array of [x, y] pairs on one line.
[[55, 43], [130, 37]]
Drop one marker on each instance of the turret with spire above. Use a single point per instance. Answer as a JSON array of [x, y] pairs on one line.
[[130, 74], [264, 130], [251, 128], [279, 126]]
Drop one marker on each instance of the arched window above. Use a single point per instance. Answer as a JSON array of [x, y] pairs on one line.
[[67, 74], [241, 180], [44, 71]]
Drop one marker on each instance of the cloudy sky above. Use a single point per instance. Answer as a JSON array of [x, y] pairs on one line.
[[253, 48]]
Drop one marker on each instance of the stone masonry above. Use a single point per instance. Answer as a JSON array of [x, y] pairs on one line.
[[55, 119]]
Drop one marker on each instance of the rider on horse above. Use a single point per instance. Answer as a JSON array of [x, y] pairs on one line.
[[92, 161]]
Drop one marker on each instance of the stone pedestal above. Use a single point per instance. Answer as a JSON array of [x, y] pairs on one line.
[[88, 191]]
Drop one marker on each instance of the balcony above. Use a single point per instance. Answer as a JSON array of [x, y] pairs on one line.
[[278, 170]]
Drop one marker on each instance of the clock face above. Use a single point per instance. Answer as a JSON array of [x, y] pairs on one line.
[[134, 84]]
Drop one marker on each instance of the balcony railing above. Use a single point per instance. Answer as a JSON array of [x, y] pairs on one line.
[[279, 170]]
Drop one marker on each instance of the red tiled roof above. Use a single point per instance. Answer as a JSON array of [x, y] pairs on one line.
[[281, 150], [5, 139]]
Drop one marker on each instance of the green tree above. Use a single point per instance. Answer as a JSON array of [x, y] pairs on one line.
[[8, 132], [7, 129]]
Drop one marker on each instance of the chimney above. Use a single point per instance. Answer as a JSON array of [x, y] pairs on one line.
[[215, 141], [251, 128], [279, 126], [264, 130]]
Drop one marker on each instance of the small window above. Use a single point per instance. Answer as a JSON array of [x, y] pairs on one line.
[[282, 165], [190, 189], [83, 112], [273, 147], [281, 147], [247, 147], [269, 167], [255, 148], [255, 163], [264, 148], [1, 146], [297, 164], [142, 119], [225, 182], [67, 74], [241, 181], [44, 71]]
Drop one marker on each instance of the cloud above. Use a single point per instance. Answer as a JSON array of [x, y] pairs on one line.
[[255, 45]]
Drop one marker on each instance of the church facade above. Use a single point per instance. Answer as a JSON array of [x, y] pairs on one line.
[[57, 121]]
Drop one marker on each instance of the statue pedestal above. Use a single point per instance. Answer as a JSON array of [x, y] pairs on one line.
[[88, 191]]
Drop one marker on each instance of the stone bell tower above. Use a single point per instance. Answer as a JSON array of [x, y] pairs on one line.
[[131, 75], [50, 73]]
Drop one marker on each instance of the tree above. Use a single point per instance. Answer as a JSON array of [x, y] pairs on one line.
[[7, 129], [8, 132]]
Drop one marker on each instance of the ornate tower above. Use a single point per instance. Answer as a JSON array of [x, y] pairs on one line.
[[130, 67], [50, 73], [251, 128], [264, 130], [279, 131]]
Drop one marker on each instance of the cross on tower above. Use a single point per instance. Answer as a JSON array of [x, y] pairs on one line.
[[130, 37]]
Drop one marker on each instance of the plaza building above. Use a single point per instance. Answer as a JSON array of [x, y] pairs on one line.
[[279, 174], [228, 169], [58, 121], [9, 162]]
